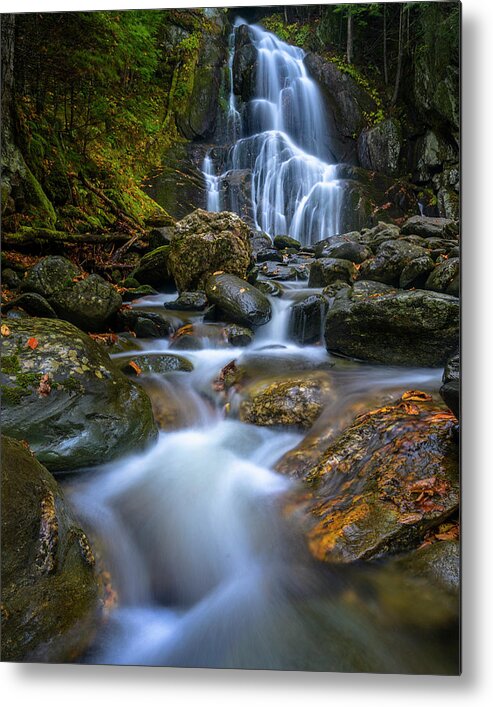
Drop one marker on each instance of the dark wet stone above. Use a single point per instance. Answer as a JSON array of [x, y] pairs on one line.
[[405, 328], [144, 324], [153, 268], [346, 250], [138, 292], [189, 302], [415, 273], [307, 317], [51, 605], [10, 279], [67, 398], [325, 271], [238, 335], [428, 227], [282, 242], [270, 287], [238, 301], [445, 277], [276, 271], [33, 304], [269, 254], [154, 363]]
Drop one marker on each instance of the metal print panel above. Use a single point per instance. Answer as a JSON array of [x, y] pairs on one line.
[[230, 333]]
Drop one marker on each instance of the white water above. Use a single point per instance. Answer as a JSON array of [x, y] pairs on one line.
[[283, 143]]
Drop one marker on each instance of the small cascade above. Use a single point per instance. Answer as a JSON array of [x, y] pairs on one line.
[[280, 138]]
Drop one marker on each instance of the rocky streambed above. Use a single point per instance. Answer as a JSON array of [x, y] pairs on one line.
[[244, 453]]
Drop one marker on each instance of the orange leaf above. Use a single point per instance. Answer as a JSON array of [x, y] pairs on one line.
[[136, 367], [5, 331], [417, 395], [32, 343]]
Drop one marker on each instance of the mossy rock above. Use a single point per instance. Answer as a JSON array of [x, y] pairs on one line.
[[295, 401], [153, 268], [403, 328], [154, 363], [388, 478], [62, 393], [51, 601], [237, 301], [205, 243]]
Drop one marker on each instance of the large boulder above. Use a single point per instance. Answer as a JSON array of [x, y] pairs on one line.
[[205, 243], [388, 478], [62, 394], [445, 277], [391, 258], [237, 301], [88, 302], [429, 227], [50, 597], [296, 401], [404, 328]]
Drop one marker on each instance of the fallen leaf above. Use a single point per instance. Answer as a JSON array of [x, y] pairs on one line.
[[5, 331], [32, 343], [44, 387], [135, 367], [417, 395]]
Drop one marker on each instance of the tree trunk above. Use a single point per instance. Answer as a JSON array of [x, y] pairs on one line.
[[385, 67], [349, 47], [399, 57], [8, 46]]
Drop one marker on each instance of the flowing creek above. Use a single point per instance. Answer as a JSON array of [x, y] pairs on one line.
[[208, 570]]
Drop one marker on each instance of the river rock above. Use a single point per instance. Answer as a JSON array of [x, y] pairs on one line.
[[388, 478], [133, 293], [404, 328], [50, 598], [277, 271], [270, 287], [238, 335], [238, 301], [205, 243], [62, 393], [49, 276], [325, 271], [345, 250], [391, 258], [445, 277], [438, 562], [282, 242], [33, 304], [429, 227], [144, 324], [269, 254], [306, 319], [189, 302], [153, 363], [290, 402], [415, 273], [153, 268]]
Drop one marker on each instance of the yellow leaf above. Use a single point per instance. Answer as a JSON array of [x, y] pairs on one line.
[[5, 331]]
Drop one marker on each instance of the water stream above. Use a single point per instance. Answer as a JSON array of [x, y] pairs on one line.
[[281, 138]]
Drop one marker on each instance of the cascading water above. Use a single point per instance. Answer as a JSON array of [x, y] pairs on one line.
[[284, 146]]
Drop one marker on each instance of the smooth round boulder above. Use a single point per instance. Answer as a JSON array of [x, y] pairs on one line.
[[445, 277], [51, 602], [153, 363], [205, 243], [403, 328], [238, 301], [346, 250], [188, 302], [63, 394], [429, 227], [282, 242]]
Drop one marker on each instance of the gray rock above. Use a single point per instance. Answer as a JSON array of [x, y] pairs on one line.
[[153, 268], [429, 227], [325, 271], [405, 328], [189, 302], [306, 319], [35, 305], [379, 147], [445, 277]]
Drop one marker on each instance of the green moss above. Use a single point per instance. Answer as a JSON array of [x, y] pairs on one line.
[[10, 364], [12, 395], [41, 207]]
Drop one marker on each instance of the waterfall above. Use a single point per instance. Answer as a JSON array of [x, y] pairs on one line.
[[284, 144]]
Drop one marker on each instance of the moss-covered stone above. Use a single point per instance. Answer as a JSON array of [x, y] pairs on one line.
[[383, 482], [153, 268], [62, 394], [50, 597]]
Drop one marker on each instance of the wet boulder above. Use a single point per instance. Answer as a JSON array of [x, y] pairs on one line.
[[445, 277], [296, 401], [325, 271], [379, 147], [345, 250], [62, 393], [33, 304], [278, 271], [88, 302], [391, 258], [416, 272], [238, 335], [269, 254], [429, 227], [153, 268], [404, 328], [205, 243], [237, 301], [438, 562], [189, 302], [282, 242], [306, 319], [144, 324], [381, 484], [51, 603], [269, 287]]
